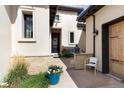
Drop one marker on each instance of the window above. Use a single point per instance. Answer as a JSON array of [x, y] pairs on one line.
[[28, 26], [57, 17], [71, 37]]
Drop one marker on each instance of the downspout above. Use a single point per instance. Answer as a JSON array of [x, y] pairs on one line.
[[94, 36]]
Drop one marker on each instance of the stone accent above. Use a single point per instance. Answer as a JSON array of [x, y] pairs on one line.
[[79, 60], [41, 64]]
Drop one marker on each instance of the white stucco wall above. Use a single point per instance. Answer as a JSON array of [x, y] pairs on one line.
[[104, 15], [68, 23], [40, 30], [5, 39]]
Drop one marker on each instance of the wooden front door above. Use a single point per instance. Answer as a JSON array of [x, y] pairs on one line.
[[116, 49], [55, 42]]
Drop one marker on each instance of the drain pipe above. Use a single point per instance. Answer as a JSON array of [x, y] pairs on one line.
[[94, 35]]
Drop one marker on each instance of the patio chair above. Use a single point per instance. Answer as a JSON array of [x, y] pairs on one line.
[[92, 62]]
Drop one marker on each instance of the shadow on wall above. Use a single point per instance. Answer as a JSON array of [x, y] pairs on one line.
[[12, 12], [82, 41]]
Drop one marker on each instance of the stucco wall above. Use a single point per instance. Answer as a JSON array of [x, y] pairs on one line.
[[5, 39], [104, 15], [40, 30], [82, 41], [89, 35], [68, 23]]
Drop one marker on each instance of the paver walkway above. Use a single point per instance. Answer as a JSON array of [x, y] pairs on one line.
[[89, 80]]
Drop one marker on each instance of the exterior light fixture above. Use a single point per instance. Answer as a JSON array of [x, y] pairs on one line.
[[95, 33]]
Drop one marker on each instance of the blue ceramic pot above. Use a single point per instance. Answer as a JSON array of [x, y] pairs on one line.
[[53, 78]]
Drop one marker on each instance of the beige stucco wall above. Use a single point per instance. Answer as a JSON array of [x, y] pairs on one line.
[[89, 35], [40, 30], [82, 41], [5, 39], [68, 23], [104, 15]]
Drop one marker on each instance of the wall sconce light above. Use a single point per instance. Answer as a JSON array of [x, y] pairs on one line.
[[96, 33]]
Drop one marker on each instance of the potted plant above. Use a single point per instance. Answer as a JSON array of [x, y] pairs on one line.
[[53, 74]]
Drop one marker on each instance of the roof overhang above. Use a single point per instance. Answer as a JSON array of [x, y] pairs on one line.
[[88, 12], [81, 25], [69, 8], [53, 10]]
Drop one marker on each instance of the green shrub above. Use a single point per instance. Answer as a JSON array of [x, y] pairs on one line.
[[35, 81], [66, 53], [16, 74]]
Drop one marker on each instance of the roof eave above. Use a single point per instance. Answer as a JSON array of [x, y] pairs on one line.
[[69, 8], [88, 12]]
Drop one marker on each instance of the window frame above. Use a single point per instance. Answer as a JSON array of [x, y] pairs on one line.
[[22, 11]]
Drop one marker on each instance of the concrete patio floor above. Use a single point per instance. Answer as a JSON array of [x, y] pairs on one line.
[[88, 80]]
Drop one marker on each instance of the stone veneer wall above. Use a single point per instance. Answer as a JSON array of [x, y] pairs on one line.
[[41, 64]]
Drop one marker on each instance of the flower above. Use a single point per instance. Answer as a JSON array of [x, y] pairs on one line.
[[50, 69], [4, 84], [55, 70], [48, 72]]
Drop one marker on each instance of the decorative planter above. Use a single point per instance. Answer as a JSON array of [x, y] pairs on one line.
[[53, 78]]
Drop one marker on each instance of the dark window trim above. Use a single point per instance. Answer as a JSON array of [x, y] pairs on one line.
[[27, 15]]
